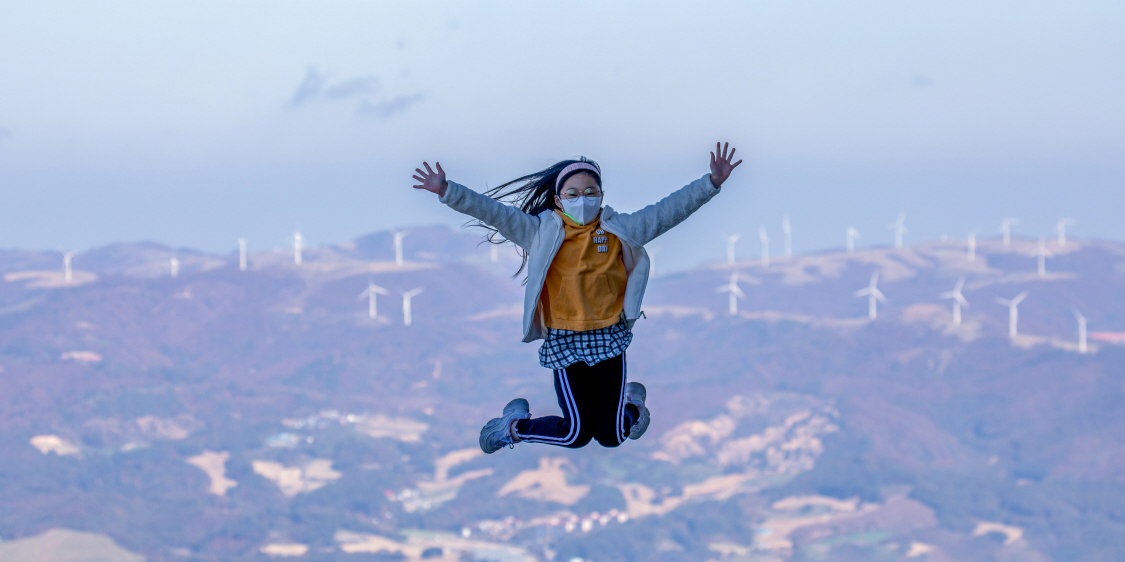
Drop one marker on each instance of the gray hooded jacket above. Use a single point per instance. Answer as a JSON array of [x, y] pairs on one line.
[[542, 234]]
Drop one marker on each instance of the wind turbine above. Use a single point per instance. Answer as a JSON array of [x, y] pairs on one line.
[[298, 242], [765, 238], [174, 265], [958, 300], [1042, 254], [370, 292], [1060, 228], [494, 253], [68, 275], [652, 261], [399, 235], [735, 292], [788, 236], [406, 304], [972, 246], [873, 294], [1013, 312], [242, 254], [731, 239], [1006, 230], [900, 228], [1081, 330], [852, 235]]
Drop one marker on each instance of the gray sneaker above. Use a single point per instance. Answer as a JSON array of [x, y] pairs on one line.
[[497, 433], [635, 394]]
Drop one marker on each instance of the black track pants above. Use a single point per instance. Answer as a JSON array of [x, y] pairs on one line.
[[592, 399]]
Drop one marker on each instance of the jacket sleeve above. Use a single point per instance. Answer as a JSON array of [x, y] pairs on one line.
[[656, 219], [511, 222]]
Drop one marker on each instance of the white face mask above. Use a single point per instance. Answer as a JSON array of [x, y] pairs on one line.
[[583, 209]]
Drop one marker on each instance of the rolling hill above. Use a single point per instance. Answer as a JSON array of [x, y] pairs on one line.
[[225, 414]]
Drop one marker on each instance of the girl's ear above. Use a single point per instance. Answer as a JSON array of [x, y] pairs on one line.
[[558, 202]]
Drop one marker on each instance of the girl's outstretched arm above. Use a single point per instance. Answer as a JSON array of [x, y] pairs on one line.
[[656, 219], [511, 222]]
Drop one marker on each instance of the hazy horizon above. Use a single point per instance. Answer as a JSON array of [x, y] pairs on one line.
[[193, 125]]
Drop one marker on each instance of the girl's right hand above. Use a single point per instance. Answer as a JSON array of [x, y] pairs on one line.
[[431, 181]]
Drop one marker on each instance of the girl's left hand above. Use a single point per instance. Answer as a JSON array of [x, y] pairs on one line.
[[720, 164]]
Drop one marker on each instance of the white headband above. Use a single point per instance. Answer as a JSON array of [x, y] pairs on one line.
[[586, 166]]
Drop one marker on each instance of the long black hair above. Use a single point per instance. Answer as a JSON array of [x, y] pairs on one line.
[[533, 194]]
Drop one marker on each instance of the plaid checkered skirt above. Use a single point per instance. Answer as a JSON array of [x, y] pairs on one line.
[[563, 348]]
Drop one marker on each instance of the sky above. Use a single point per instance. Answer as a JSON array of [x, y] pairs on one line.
[[193, 124]]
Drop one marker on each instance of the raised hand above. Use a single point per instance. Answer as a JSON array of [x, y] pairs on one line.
[[434, 182], [720, 164]]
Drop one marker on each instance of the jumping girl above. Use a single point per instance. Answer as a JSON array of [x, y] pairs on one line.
[[586, 274]]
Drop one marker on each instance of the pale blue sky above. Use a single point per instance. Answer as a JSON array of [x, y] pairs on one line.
[[195, 123]]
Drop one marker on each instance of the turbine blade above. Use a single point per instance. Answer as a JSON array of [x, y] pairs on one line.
[[738, 291], [879, 296], [1019, 298], [961, 299]]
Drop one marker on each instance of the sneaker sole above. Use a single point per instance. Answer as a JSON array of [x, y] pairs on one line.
[[517, 408], [637, 390]]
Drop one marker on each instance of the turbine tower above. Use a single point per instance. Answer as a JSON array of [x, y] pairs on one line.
[[788, 236], [958, 300], [652, 261], [406, 304], [370, 292], [68, 274], [1006, 230], [242, 254], [174, 265], [765, 238], [1013, 312], [494, 253], [900, 228], [1060, 228], [972, 246], [731, 239], [852, 235], [1042, 254], [1081, 330], [298, 242], [735, 293], [873, 294], [399, 235]]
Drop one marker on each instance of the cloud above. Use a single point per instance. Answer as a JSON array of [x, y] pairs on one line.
[[388, 108], [920, 81], [359, 86], [315, 86], [310, 88]]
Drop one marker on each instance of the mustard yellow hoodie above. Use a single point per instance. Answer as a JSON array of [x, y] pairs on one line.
[[585, 284]]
